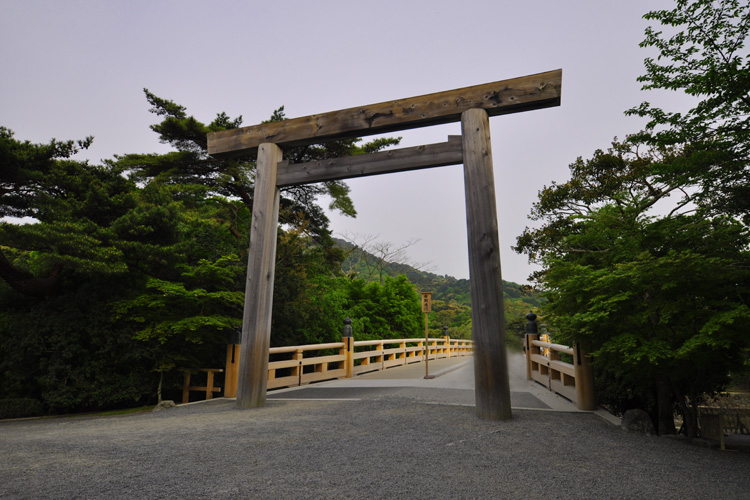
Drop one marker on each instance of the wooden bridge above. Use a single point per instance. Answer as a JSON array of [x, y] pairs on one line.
[[536, 380], [305, 364]]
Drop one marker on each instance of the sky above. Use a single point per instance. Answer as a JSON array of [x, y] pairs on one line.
[[78, 68]]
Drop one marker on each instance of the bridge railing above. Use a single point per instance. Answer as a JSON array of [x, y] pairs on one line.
[[374, 355], [303, 364], [575, 380]]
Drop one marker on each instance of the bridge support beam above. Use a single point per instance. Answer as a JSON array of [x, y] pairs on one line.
[[492, 388]]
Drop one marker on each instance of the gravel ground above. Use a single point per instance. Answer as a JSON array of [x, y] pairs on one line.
[[387, 443]]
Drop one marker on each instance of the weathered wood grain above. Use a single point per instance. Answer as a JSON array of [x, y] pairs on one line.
[[385, 162], [506, 96], [492, 388], [261, 264]]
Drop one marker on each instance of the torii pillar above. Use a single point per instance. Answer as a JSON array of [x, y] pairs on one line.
[[472, 106]]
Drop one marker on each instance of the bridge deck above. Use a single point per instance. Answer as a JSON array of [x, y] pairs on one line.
[[453, 384]]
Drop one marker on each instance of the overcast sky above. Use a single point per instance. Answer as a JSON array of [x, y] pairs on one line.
[[71, 69]]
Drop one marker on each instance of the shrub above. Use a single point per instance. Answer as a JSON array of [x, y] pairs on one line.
[[20, 407]]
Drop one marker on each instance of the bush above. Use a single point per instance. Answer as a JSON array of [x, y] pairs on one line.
[[20, 407]]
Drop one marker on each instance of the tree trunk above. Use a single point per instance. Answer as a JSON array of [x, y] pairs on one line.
[[689, 414], [158, 389], [665, 400]]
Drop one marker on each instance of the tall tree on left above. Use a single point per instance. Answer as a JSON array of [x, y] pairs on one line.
[[81, 218], [89, 237], [223, 191], [30, 183]]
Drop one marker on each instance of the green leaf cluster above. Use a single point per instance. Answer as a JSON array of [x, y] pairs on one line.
[[703, 53], [387, 311]]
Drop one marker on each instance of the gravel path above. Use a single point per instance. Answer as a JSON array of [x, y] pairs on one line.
[[387, 443], [384, 435]]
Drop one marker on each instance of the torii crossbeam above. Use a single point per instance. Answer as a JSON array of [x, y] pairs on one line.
[[472, 106]]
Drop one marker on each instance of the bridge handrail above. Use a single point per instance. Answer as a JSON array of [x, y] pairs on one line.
[[358, 343], [306, 347], [574, 381], [554, 347], [307, 364]]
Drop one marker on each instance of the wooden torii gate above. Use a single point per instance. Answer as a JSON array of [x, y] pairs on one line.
[[472, 106]]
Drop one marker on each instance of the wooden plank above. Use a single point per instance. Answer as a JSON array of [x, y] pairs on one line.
[[284, 363], [563, 367], [567, 391], [394, 362], [542, 379], [367, 368], [308, 378], [492, 388], [529, 338], [367, 354], [204, 388], [319, 360], [306, 347], [503, 97], [554, 347], [386, 162], [256, 322], [289, 381], [540, 358], [210, 386]]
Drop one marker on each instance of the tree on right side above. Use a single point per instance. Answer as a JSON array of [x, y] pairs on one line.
[[702, 54], [644, 250]]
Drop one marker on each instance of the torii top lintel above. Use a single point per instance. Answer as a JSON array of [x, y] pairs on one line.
[[525, 93]]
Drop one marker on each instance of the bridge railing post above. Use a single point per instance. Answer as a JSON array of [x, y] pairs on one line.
[[348, 340], [585, 398], [232, 367], [447, 342], [532, 333]]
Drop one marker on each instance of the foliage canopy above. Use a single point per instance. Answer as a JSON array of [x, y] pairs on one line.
[[645, 249]]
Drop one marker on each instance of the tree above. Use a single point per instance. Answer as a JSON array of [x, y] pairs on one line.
[[70, 205], [159, 243], [65, 351], [309, 293], [185, 320], [645, 249], [390, 310], [94, 230], [307, 296], [307, 260], [27, 178], [88, 230], [703, 54], [190, 166], [659, 298]]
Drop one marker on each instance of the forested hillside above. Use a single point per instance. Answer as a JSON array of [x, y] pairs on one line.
[[451, 297]]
